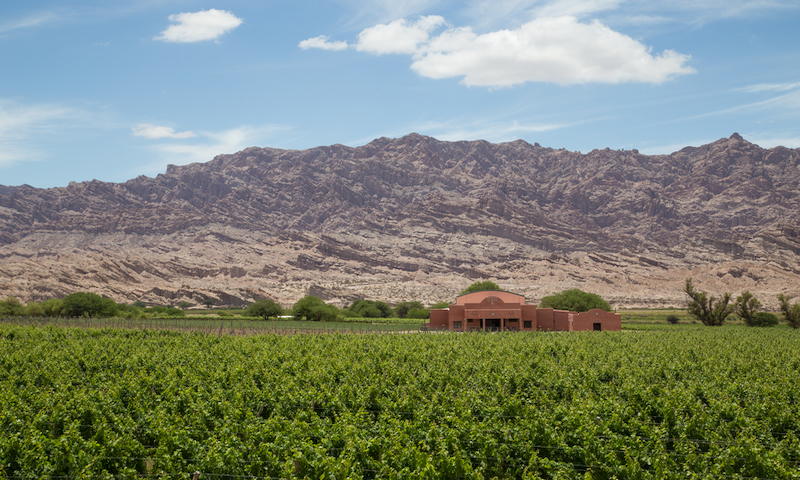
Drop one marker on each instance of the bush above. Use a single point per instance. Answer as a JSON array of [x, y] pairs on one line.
[[480, 286], [791, 313], [314, 309], [10, 307], [402, 308], [370, 309], [423, 313], [673, 319], [764, 319], [575, 300], [440, 305]]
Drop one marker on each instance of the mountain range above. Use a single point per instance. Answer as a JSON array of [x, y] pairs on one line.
[[415, 218]]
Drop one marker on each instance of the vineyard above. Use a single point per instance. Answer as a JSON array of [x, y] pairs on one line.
[[659, 403]]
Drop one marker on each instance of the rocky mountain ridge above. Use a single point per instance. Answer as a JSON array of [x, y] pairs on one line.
[[416, 218]]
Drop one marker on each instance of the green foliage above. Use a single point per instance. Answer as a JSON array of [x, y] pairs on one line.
[[402, 308], [139, 304], [708, 309], [440, 305], [53, 308], [11, 307], [575, 300], [86, 304], [764, 319], [419, 313], [184, 305], [480, 286], [161, 311], [314, 309], [791, 313], [370, 309], [673, 319], [747, 307], [264, 308], [208, 302], [668, 404]]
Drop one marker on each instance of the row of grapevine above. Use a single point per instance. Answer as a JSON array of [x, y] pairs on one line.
[[107, 403]]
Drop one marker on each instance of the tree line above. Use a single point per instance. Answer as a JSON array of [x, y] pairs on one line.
[[713, 311]]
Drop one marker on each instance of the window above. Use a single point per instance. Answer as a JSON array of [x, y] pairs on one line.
[[469, 320], [598, 327], [527, 324], [457, 325]]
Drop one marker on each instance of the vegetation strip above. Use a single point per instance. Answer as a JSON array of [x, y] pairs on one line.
[[677, 402]]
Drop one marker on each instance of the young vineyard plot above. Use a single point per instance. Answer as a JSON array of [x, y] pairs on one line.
[[691, 403]]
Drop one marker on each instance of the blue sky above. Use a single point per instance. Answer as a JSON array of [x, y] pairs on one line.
[[112, 90]]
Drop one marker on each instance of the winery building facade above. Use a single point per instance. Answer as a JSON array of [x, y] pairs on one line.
[[498, 310]]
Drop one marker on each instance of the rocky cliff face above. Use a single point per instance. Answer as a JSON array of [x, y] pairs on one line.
[[416, 218]]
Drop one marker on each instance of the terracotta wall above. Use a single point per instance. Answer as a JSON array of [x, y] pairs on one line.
[[544, 319], [562, 320], [586, 320], [438, 319]]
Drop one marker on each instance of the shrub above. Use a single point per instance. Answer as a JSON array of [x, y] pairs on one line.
[[575, 300], [423, 313], [791, 313], [402, 308], [764, 319], [673, 319], [10, 307], [440, 305]]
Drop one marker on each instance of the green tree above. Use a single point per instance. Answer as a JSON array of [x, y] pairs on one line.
[[402, 308], [184, 305], [139, 304], [208, 302], [53, 307], [370, 309], [747, 307], [10, 307], [575, 300], [264, 308], [710, 310], [314, 309], [86, 304], [440, 305], [480, 286], [791, 313]]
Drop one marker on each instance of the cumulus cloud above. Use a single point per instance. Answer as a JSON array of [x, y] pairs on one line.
[[199, 26], [147, 130], [558, 50], [399, 36], [322, 43]]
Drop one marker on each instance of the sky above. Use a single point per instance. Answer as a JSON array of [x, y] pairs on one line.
[[92, 89]]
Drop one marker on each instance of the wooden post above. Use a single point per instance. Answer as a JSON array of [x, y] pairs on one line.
[[196, 475]]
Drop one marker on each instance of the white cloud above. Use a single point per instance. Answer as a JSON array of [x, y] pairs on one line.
[[558, 50], [207, 145], [769, 87], [33, 20], [22, 127], [399, 36], [199, 26], [322, 43], [156, 131]]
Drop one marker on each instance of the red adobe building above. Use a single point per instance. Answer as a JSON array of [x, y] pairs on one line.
[[500, 310]]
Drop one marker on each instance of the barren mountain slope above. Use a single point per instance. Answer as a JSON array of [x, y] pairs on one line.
[[416, 218]]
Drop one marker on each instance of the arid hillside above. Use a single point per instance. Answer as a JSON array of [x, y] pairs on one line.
[[416, 218]]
